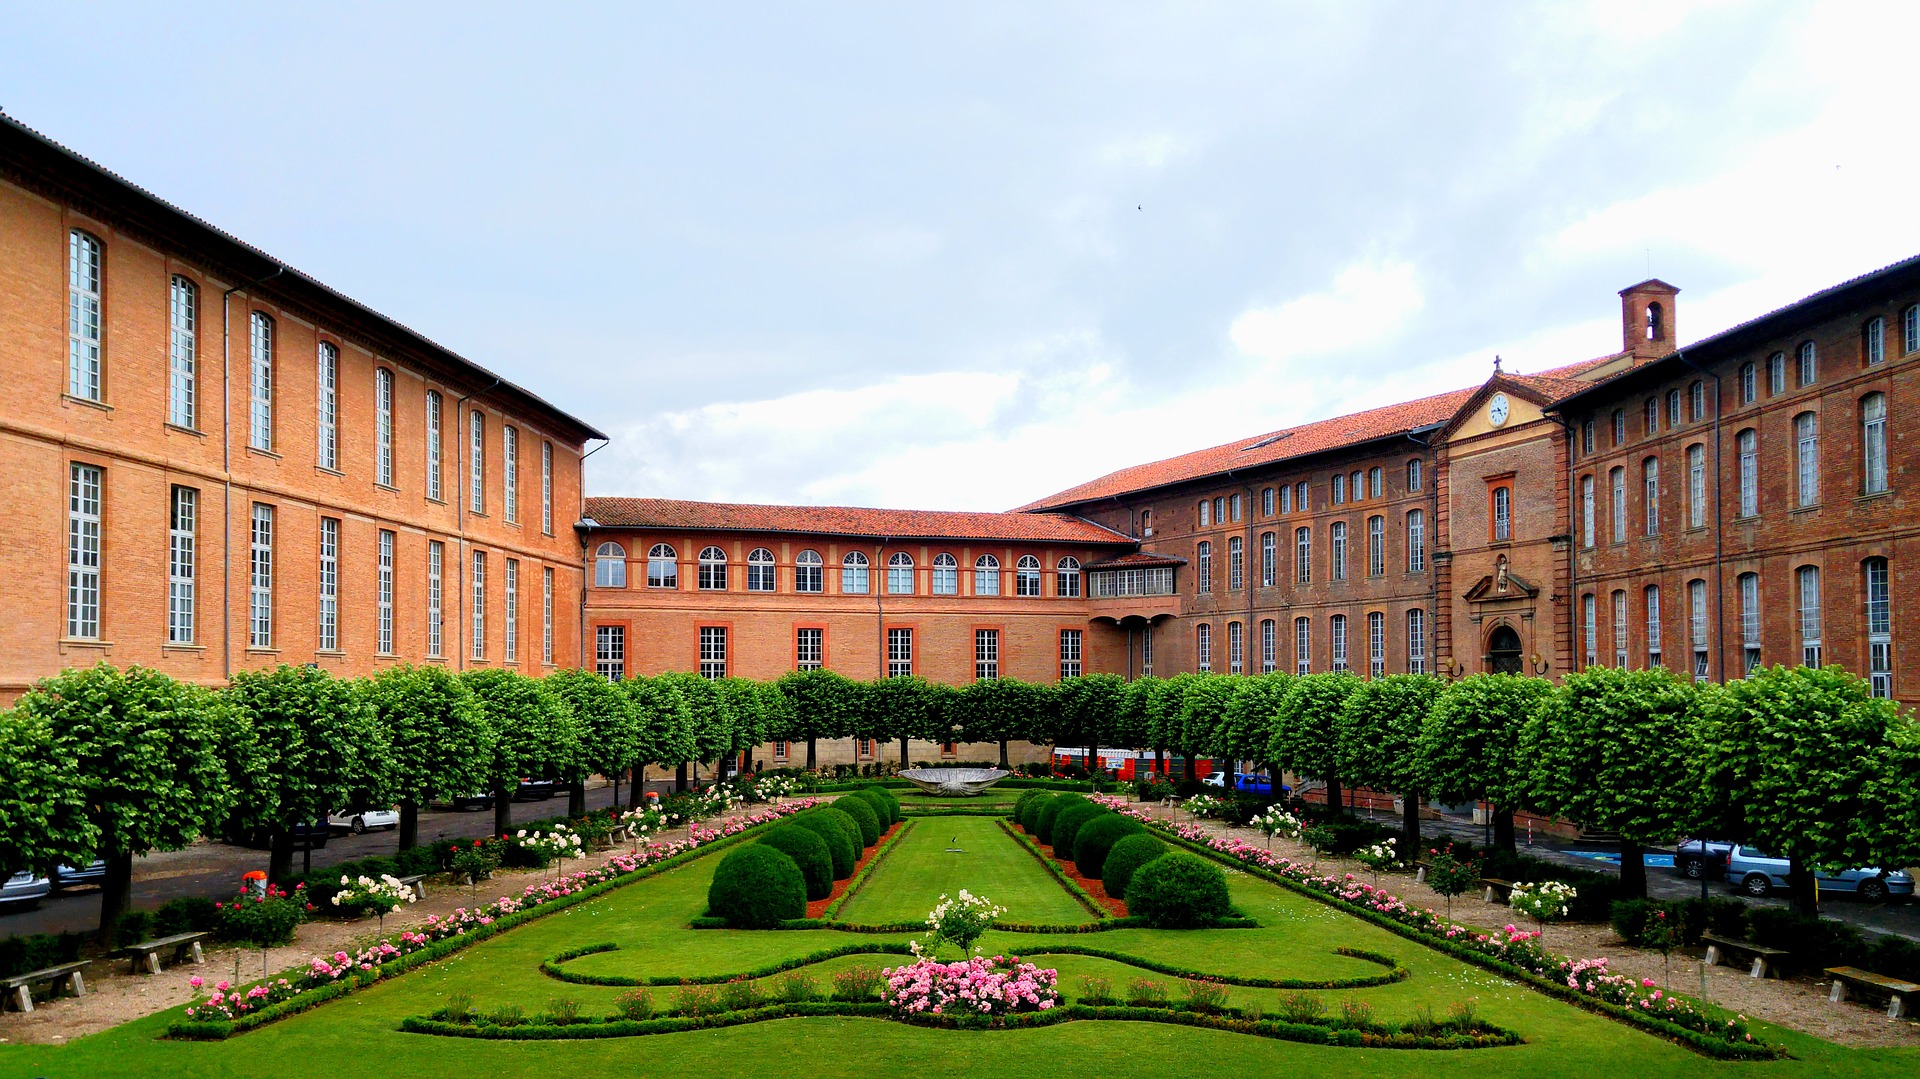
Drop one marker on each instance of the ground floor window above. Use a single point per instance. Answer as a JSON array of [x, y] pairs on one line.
[[713, 651], [610, 652]]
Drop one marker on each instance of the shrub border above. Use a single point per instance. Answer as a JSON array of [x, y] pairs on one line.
[[865, 872], [552, 967], [1100, 913]]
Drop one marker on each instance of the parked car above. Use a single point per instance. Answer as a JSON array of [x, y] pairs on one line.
[[1757, 873], [24, 890], [1252, 782], [1696, 858], [535, 790], [362, 820], [309, 835], [66, 876], [477, 800]]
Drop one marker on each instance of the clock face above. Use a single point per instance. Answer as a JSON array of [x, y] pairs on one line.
[[1497, 410]]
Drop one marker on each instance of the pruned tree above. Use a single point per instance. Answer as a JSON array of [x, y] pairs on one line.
[[1306, 736], [1470, 744], [824, 704], [609, 728], [1166, 718], [43, 800], [1379, 740], [535, 734], [666, 728], [439, 744], [1253, 716], [1203, 714]]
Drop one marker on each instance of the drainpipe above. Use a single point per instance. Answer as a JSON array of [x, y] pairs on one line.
[[1719, 536], [586, 561], [226, 468]]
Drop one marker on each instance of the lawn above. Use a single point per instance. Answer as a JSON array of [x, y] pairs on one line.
[[648, 920]]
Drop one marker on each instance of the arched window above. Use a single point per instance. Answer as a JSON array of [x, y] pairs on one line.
[[1873, 341], [1303, 555], [1749, 383], [182, 314], [1590, 630], [1266, 502], [1653, 626], [1617, 484], [1747, 446], [1417, 641], [1656, 323], [946, 575], [1806, 441], [1879, 627], [261, 380], [1234, 508], [1066, 578], [1236, 648], [1359, 488], [713, 570], [1337, 560], [1873, 443], [1697, 627], [1910, 329], [663, 567], [853, 574], [1776, 374], [1650, 475], [759, 570], [1376, 644], [1750, 619], [1203, 647], [1376, 546], [1269, 646], [1414, 479], [1620, 628], [1619, 426], [1697, 400], [809, 574], [1809, 364], [986, 576], [1502, 513], [1696, 486], [1286, 499], [1203, 567], [1376, 482], [1339, 489], [899, 574], [1417, 540], [1652, 424], [1588, 504], [1026, 576], [1808, 578], [610, 566], [1236, 562]]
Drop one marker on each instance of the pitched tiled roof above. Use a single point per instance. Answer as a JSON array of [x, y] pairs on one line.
[[1138, 560], [1304, 440], [674, 514]]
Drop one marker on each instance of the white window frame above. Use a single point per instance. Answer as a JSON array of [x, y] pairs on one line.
[[436, 406], [1303, 555], [986, 576], [1807, 365], [1070, 652], [260, 381], [1337, 551], [546, 615], [1747, 446], [986, 655], [900, 574], [1650, 476], [546, 487], [1776, 374], [1806, 443], [1620, 627], [1337, 642], [383, 426], [945, 579], [1696, 486], [809, 648], [610, 652], [856, 577], [1066, 578], [1807, 589], [1416, 541], [476, 461], [1376, 644], [510, 612], [86, 256], [326, 441], [436, 598], [510, 473], [609, 565], [1587, 507], [1269, 558], [1026, 576], [260, 578], [711, 573], [1376, 546], [1590, 626], [1651, 598], [183, 507], [1749, 585], [479, 605], [1236, 563], [1303, 645], [86, 488], [329, 581], [713, 651], [1236, 648], [1617, 480], [1878, 591], [1697, 628], [1269, 645], [900, 653], [182, 351], [663, 566], [1203, 567], [1502, 513], [383, 596], [762, 571], [1873, 444], [1416, 479], [1417, 640], [1749, 383], [809, 572], [1203, 648]]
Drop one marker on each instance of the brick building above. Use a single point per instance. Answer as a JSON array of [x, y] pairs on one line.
[[211, 462]]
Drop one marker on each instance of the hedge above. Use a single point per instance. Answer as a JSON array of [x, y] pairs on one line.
[[554, 968], [756, 887], [836, 831], [1096, 837], [1067, 825]]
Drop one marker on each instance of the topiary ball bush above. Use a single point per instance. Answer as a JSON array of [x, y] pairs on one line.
[[838, 834], [889, 799], [1096, 837], [1068, 823], [809, 852], [757, 887], [1049, 812], [1178, 891], [1023, 806], [878, 803], [1127, 855], [863, 814]]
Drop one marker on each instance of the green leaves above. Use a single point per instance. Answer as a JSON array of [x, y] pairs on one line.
[[43, 810], [439, 743], [1611, 749], [610, 722], [1470, 744], [315, 746], [536, 736], [1378, 731], [1306, 735]]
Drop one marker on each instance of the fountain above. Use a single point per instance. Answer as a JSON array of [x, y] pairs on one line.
[[954, 781]]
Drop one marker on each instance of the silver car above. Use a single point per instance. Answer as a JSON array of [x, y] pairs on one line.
[[25, 889], [1757, 873]]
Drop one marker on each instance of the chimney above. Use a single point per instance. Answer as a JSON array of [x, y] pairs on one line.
[[1647, 317]]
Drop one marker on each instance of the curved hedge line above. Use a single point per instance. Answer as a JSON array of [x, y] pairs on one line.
[[553, 967]]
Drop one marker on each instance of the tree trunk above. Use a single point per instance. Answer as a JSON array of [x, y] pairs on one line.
[[1159, 762], [1192, 769], [1503, 837], [1410, 825], [615, 803], [1333, 794], [577, 799], [1806, 893], [502, 811], [680, 777], [280, 856], [637, 787], [1004, 766], [746, 763], [813, 759], [1633, 870], [409, 824], [720, 768], [904, 762], [1093, 763], [116, 891]]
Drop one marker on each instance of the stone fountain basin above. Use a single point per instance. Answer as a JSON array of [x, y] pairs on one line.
[[954, 781]]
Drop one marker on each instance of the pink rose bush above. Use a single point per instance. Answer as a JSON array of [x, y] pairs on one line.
[[974, 986]]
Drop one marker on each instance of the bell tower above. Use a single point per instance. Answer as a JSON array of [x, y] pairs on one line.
[[1648, 316]]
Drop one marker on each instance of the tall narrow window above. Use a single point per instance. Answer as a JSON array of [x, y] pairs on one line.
[[1337, 542], [1236, 648], [1808, 367], [809, 572], [809, 648], [1808, 578], [1879, 628], [1376, 546], [1653, 626], [1269, 646], [899, 653], [1026, 576], [1650, 475], [1203, 567], [1146, 650], [760, 570], [1300, 492], [1750, 620], [1910, 329], [1376, 644], [1590, 630], [1696, 486], [329, 584], [1359, 487], [433, 445], [1586, 511], [1266, 502], [1652, 424], [326, 407], [853, 574], [1235, 509], [1619, 426], [1697, 400], [1416, 541], [1747, 446], [260, 580], [1697, 627], [1206, 513], [1269, 559], [1236, 558], [510, 472], [383, 426], [1749, 383], [83, 317], [1220, 511], [183, 510], [1417, 641], [260, 401], [610, 566], [83, 551], [1502, 514], [182, 313], [1066, 578], [510, 611], [477, 462], [479, 619], [1337, 642], [1873, 443], [1203, 648], [1673, 408], [713, 570], [1376, 482], [713, 651], [1303, 555], [1286, 499], [436, 596], [1806, 440], [1586, 437], [1776, 374], [610, 652], [900, 574], [1070, 653], [1339, 489], [986, 576], [546, 615], [663, 567], [546, 487], [383, 594], [1303, 645], [986, 654], [1619, 628], [1617, 480]]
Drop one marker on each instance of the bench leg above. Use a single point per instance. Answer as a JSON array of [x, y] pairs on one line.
[[1759, 968], [1489, 894], [420, 889], [153, 962], [77, 984], [1713, 955], [1896, 1006], [23, 996], [1420, 877], [199, 959], [1838, 994]]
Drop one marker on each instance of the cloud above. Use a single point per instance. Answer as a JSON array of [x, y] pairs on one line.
[[1150, 150], [1368, 303]]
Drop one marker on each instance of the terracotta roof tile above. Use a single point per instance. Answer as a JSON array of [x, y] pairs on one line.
[[1138, 560], [674, 514]]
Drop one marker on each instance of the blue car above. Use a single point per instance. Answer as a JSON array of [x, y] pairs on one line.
[[1757, 873]]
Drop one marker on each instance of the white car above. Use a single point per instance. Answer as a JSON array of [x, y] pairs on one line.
[[24, 888], [348, 821]]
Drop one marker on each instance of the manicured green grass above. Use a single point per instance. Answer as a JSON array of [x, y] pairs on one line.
[[920, 869], [358, 1035]]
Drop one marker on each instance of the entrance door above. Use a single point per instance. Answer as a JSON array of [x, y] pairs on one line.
[[1503, 651]]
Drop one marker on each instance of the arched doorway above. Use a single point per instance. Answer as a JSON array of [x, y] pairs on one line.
[[1503, 651]]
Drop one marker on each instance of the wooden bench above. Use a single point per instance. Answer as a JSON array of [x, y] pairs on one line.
[[1895, 990], [418, 882], [1764, 960], [183, 945], [20, 986], [1497, 890]]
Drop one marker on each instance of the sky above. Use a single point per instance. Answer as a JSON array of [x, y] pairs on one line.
[[962, 256]]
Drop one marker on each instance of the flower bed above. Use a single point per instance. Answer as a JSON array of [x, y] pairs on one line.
[[974, 986], [238, 1011]]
